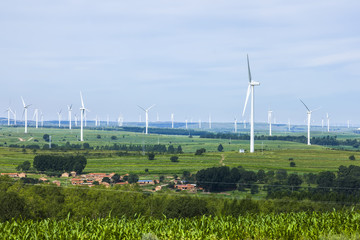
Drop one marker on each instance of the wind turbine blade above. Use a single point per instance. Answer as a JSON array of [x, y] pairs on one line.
[[141, 108], [316, 109], [247, 99], [249, 68], [23, 101], [82, 101], [304, 104], [150, 107]]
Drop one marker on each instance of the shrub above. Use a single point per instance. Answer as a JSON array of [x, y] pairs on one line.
[[151, 156], [174, 158], [352, 157], [292, 164], [200, 151], [113, 137]]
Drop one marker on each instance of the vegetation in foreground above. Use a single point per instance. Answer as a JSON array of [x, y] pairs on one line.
[[303, 225]]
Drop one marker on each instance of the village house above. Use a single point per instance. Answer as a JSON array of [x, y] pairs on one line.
[[22, 175], [65, 174], [43, 179], [185, 186], [12, 175], [73, 174], [57, 182], [146, 182], [76, 181]]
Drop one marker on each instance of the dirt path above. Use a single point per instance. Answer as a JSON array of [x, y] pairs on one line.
[[222, 159]]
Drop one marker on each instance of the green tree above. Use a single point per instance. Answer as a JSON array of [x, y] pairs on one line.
[[25, 166], [46, 137], [352, 157], [171, 149], [115, 178], [133, 178], [179, 149], [113, 137], [174, 158], [151, 156], [294, 181], [220, 148], [106, 179]]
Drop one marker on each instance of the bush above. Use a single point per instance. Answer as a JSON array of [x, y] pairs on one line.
[[292, 164], [113, 137], [200, 151], [291, 159], [220, 148], [352, 157], [174, 158], [151, 156], [254, 189]]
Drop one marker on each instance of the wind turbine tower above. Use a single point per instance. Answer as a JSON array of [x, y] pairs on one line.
[[186, 124], [328, 122], [75, 120], [8, 112], [308, 121], [250, 90], [209, 121], [199, 123], [82, 116], [269, 121], [59, 117], [146, 117], [36, 116], [69, 110], [235, 125], [25, 112], [172, 120]]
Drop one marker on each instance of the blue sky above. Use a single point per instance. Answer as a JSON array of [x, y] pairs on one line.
[[187, 57]]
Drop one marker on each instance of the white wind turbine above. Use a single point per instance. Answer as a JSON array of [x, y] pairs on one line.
[[107, 120], [8, 110], [289, 126], [146, 117], [250, 90], [209, 121], [199, 123], [235, 125], [172, 120], [42, 119], [82, 116], [75, 120], [59, 117], [269, 121], [25, 112], [36, 116], [14, 113], [186, 124], [328, 122], [69, 112], [308, 121]]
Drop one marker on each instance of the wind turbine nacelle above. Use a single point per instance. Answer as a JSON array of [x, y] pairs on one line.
[[253, 83]]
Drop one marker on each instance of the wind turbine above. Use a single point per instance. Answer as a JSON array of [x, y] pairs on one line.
[[82, 116], [250, 90], [186, 124], [36, 116], [25, 112], [107, 120], [8, 112], [69, 110], [244, 122], [59, 117], [328, 122], [235, 125], [42, 119], [172, 120], [14, 113], [75, 120], [308, 121], [199, 123], [269, 121], [146, 117], [289, 126], [209, 121]]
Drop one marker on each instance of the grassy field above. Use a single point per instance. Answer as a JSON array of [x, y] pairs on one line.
[[269, 155]]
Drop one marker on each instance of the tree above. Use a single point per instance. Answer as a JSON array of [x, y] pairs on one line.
[[98, 136], [151, 156], [292, 164], [113, 137], [46, 137], [86, 145], [254, 189], [325, 181], [171, 149], [294, 181], [106, 179], [179, 149], [261, 175], [115, 178], [174, 158], [25, 166], [220, 148], [133, 178], [352, 157], [161, 178], [281, 174], [200, 151]]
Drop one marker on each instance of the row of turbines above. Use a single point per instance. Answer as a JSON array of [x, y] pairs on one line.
[[249, 95]]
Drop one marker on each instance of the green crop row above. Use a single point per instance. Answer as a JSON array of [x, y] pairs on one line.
[[303, 225]]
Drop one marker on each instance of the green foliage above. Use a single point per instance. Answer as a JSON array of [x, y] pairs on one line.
[[25, 166], [113, 137], [220, 148], [352, 157], [64, 163], [292, 164], [133, 178], [174, 158], [200, 151], [115, 178], [151, 156], [46, 137], [106, 179]]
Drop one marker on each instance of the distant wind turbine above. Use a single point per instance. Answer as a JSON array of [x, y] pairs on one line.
[[235, 125], [328, 122], [186, 124], [82, 116], [69, 112], [269, 121], [308, 121], [8, 110], [59, 117], [25, 112], [199, 123], [172, 120], [36, 116], [209, 121], [250, 90], [75, 120], [146, 117]]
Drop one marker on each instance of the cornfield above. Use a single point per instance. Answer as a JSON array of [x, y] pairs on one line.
[[303, 225]]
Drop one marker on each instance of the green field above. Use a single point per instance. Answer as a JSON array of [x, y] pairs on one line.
[[269, 155]]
